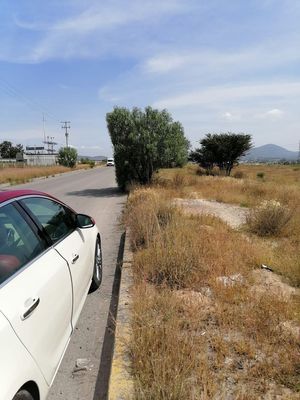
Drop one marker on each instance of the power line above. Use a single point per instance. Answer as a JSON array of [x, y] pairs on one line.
[[9, 89]]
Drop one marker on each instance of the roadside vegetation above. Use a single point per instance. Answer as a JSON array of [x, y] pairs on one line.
[[67, 156], [145, 140], [9, 151], [208, 321]]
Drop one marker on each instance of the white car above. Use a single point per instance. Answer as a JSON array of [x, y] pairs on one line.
[[110, 162], [50, 257]]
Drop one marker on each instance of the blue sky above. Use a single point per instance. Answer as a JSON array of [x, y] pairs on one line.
[[215, 65]]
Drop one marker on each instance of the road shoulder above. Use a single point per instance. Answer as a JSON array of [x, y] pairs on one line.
[[121, 382]]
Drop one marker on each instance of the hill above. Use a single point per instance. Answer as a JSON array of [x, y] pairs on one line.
[[270, 152], [94, 158]]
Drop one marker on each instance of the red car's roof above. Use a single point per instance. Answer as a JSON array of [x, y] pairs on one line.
[[12, 194]]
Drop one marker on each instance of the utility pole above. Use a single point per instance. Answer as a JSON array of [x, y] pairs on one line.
[[44, 127], [66, 126]]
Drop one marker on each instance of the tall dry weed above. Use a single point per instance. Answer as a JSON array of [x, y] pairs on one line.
[[166, 359], [147, 212], [269, 218], [190, 253]]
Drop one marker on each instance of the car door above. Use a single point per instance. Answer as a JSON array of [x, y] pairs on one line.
[[69, 241], [35, 290]]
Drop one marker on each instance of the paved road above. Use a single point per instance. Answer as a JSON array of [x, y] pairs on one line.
[[92, 192]]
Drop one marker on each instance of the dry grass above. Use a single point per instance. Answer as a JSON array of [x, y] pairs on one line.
[[283, 185], [279, 174], [164, 359], [15, 175], [286, 261], [231, 345], [192, 251], [203, 327], [269, 218], [147, 213]]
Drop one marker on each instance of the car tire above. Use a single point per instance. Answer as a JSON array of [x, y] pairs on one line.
[[97, 274], [23, 395]]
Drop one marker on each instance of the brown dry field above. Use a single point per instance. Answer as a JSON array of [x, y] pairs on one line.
[[207, 321], [15, 175]]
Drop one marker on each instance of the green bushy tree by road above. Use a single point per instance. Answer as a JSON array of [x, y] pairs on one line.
[[145, 140], [7, 150], [222, 150], [67, 156]]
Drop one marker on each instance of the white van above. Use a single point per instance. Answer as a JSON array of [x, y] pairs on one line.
[[110, 162]]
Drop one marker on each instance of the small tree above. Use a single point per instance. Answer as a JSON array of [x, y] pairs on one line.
[[143, 142], [67, 156], [7, 150], [222, 150]]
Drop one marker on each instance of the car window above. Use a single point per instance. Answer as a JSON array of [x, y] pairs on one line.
[[57, 220], [18, 242]]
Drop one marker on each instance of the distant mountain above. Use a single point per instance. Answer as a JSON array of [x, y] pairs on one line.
[[94, 158], [270, 152]]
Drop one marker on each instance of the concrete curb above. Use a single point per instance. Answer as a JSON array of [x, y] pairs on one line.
[[121, 382]]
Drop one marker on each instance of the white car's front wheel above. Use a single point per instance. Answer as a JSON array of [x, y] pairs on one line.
[[97, 275], [23, 395]]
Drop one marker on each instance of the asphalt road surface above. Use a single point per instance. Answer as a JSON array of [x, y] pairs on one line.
[[85, 368]]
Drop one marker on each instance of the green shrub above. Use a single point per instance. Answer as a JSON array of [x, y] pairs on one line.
[[144, 141], [67, 156]]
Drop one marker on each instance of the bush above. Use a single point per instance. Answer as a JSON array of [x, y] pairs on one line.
[[145, 141], [238, 175], [87, 161], [67, 156], [201, 171], [260, 175], [269, 218]]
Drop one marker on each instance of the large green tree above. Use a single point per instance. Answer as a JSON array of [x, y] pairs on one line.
[[145, 140], [222, 150], [67, 156], [8, 150]]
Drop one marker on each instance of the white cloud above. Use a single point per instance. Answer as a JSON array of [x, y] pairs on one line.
[[165, 63], [91, 33], [275, 112], [230, 116], [230, 94], [197, 61]]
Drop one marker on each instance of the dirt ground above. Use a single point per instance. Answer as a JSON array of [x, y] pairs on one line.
[[233, 215]]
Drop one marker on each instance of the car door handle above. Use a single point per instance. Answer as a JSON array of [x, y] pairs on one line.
[[31, 308], [75, 258]]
